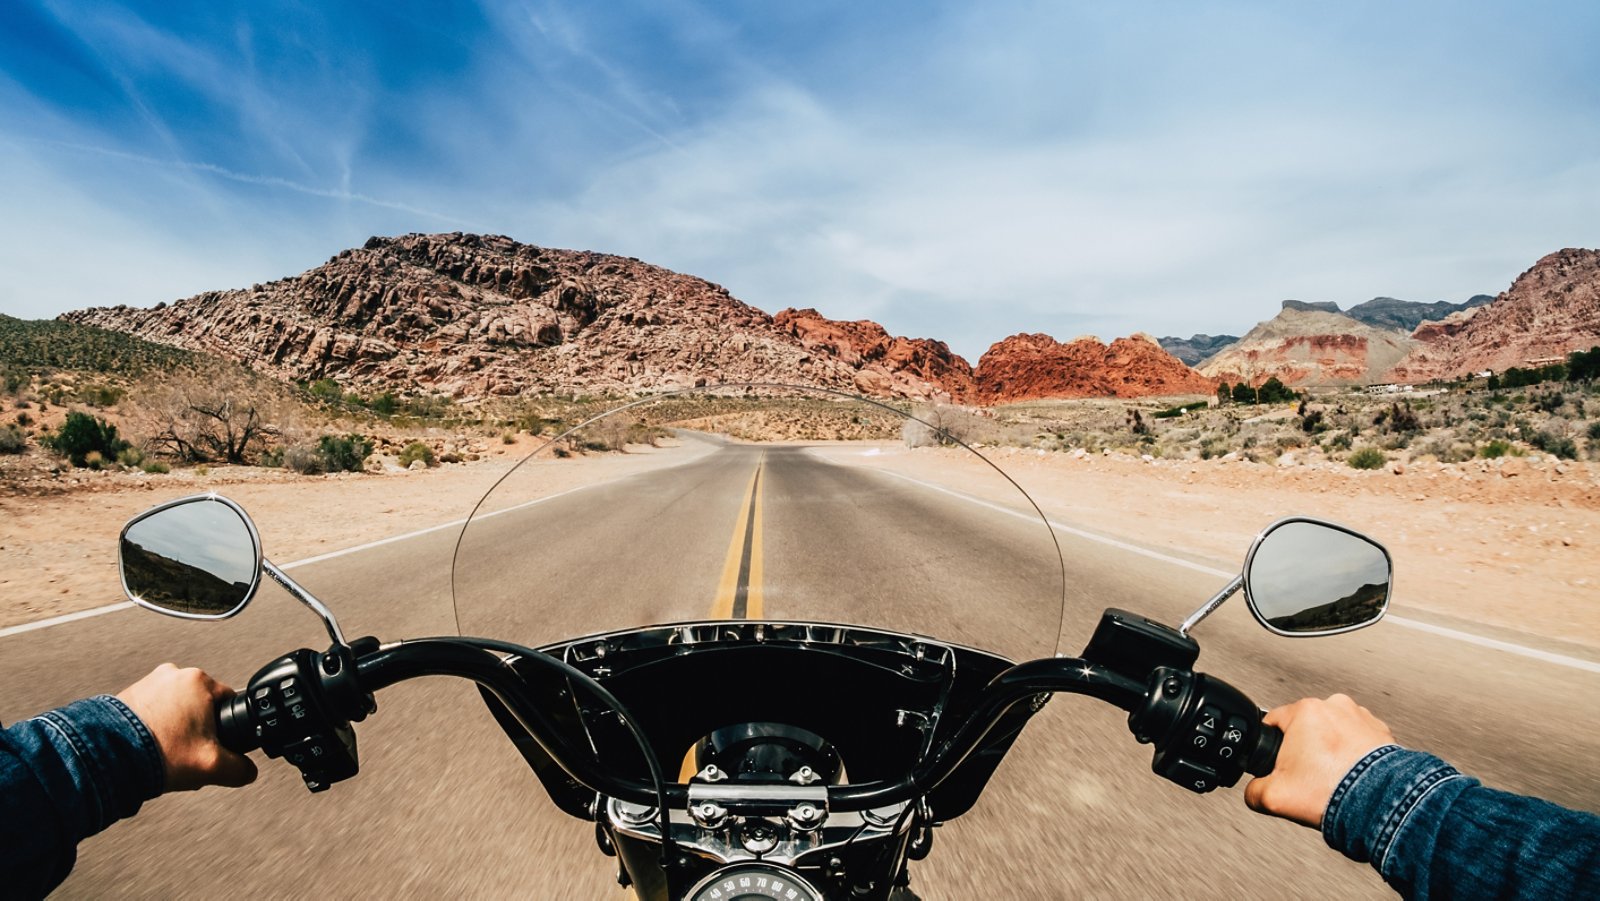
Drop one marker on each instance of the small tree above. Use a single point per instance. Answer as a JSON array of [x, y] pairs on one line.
[[1273, 391], [221, 415], [1223, 393], [1494, 382], [83, 435], [1244, 394]]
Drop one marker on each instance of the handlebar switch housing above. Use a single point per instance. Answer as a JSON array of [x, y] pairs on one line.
[[1206, 732], [297, 717]]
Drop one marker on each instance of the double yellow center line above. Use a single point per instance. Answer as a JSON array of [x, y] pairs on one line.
[[739, 589]]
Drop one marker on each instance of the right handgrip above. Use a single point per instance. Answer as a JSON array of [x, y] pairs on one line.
[[235, 729], [1265, 754]]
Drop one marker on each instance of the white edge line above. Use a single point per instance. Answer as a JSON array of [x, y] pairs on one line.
[[1441, 631], [125, 605]]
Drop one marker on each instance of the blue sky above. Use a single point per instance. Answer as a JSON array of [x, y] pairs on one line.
[[961, 171]]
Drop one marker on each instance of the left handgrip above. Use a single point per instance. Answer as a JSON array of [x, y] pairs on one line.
[[235, 730]]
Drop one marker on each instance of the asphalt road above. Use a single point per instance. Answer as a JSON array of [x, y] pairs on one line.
[[445, 807]]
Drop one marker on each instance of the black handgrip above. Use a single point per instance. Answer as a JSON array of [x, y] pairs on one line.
[[235, 729], [1265, 755]]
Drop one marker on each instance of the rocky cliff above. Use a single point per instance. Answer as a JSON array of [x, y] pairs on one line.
[[1307, 345], [885, 365], [1029, 367], [472, 316], [1548, 312]]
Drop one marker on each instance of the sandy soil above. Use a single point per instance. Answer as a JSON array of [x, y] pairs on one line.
[[58, 553], [1512, 543]]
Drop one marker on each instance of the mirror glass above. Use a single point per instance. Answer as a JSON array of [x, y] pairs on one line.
[[1311, 578], [197, 558]]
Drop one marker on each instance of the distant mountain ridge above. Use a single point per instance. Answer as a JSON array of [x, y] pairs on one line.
[[483, 315], [1195, 348]]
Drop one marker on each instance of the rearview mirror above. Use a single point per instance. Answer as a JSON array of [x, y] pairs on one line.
[[1306, 577], [198, 557]]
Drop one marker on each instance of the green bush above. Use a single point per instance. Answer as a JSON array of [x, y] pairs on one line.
[[343, 454], [130, 457], [1273, 391], [304, 459], [155, 467], [82, 435], [1367, 458], [1495, 448], [415, 451], [1594, 429], [1244, 394], [13, 440], [326, 389], [1172, 412], [1557, 445]]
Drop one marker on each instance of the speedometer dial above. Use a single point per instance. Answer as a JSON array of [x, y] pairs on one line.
[[754, 882]]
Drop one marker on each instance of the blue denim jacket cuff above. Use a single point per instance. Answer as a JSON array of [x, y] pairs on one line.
[[114, 758], [1391, 798]]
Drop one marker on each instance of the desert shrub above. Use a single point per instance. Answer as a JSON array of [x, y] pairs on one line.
[[155, 467], [1224, 394], [223, 414], [508, 438], [101, 395], [12, 440], [1556, 445], [82, 435], [1552, 402], [384, 403], [326, 390], [343, 453], [1340, 440], [1172, 412], [1367, 458], [13, 380], [417, 450], [1312, 422], [1493, 449], [1594, 429], [1136, 423], [24, 420], [304, 459], [130, 457]]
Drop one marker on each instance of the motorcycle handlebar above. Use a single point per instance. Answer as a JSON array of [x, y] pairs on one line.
[[1265, 756], [235, 730]]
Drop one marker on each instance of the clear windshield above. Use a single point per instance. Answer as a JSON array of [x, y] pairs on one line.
[[759, 503]]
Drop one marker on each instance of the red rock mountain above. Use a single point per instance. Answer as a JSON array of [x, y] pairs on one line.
[[475, 316], [472, 315], [1029, 367], [1548, 312], [887, 366]]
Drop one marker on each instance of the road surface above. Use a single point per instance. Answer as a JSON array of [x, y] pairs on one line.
[[444, 805]]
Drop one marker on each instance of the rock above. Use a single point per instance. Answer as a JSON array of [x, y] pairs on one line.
[[1549, 311], [1309, 344], [417, 465], [1147, 458], [1398, 468], [1287, 460], [1511, 467], [1032, 366]]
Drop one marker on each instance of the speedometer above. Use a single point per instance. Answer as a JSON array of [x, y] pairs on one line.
[[754, 882]]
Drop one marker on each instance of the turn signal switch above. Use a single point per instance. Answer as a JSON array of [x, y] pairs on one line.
[[1205, 731], [300, 708]]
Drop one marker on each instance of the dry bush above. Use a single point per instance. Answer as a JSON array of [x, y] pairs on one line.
[[217, 415]]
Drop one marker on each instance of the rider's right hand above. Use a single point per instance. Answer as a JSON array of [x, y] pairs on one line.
[[179, 706], [1322, 740]]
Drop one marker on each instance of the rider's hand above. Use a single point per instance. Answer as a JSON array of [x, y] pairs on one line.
[[1322, 740], [179, 708]]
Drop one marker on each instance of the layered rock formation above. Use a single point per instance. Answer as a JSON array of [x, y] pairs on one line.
[[1195, 348], [1548, 312], [473, 316], [1305, 344], [885, 365], [1030, 367]]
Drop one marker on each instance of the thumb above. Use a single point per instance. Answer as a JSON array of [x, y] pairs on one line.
[[232, 770]]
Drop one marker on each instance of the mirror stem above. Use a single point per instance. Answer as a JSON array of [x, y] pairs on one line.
[[307, 598], [1210, 606]]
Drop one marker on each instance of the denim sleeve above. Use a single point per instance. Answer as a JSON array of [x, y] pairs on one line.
[[64, 776], [1435, 833]]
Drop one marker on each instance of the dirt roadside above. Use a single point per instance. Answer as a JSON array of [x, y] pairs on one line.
[[1508, 544], [1513, 544], [58, 553]]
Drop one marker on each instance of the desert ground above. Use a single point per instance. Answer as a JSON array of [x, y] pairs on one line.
[[1507, 544]]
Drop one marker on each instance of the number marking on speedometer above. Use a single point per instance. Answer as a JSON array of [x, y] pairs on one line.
[[739, 590]]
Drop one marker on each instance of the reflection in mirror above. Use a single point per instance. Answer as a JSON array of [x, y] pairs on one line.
[[1311, 578], [197, 558]]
